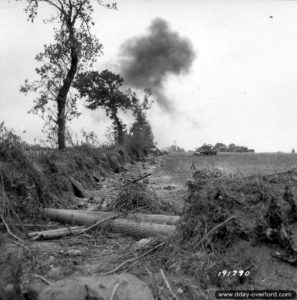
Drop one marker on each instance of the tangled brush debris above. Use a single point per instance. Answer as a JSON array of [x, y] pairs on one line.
[[260, 212], [139, 196], [223, 216]]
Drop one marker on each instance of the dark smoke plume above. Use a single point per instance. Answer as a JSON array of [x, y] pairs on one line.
[[149, 59]]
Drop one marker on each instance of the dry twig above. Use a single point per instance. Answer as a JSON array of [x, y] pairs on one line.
[[24, 246], [114, 291], [43, 279], [131, 182], [214, 229], [168, 285], [97, 224], [132, 260], [9, 232]]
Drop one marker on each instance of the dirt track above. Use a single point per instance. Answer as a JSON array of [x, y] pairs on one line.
[[91, 254]]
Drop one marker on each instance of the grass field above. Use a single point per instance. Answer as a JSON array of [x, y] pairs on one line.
[[241, 164]]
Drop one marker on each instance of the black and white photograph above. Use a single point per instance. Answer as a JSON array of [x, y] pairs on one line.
[[148, 149]]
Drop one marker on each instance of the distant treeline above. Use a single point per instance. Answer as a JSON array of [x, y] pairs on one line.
[[220, 147]]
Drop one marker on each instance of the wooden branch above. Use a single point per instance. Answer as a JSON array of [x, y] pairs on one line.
[[215, 228], [9, 232], [70, 10], [97, 224], [77, 12], [168, 285], [87, 26], [130, 224], [43, 279], [132, 260], [23, 246], [131, 182], [114, 291], [56, 6], [133, 215], [55, 233], [62, 6]]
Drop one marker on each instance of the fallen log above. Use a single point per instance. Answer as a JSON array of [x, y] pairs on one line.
[[55, 233], [97, 224], [119, 225], [151, 218], [60, 232]]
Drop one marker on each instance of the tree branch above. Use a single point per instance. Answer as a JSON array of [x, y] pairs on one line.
[[62, 6], [78, 12], [55, 5], [86, 25]]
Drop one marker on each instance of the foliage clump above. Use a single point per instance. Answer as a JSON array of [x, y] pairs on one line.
[[103, 90], [225, 221], [141, 198], [252, 204], [140, 140]]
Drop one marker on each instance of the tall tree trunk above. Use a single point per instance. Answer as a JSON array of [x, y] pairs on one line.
[[61, 122], [119, 128], [63, 92]]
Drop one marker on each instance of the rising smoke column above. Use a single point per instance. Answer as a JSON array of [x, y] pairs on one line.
[[147, 60]]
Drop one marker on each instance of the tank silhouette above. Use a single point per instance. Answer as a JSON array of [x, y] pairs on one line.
[[206, 149]]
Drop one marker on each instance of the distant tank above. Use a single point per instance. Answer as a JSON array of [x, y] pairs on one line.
[[205, 150]]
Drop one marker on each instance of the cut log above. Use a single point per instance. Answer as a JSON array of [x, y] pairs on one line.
[[119, 225], [151, 218], [55, 233]]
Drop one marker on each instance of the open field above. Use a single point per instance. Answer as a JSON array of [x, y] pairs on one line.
[[241, 164]]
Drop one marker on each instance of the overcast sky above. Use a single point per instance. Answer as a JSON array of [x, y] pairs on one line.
[[239, 88]]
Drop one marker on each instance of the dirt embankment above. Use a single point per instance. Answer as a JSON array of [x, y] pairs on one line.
[[31, 181], [85, 179]]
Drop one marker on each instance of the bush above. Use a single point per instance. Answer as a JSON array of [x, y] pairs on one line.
[[140, 140], [141, 198]]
